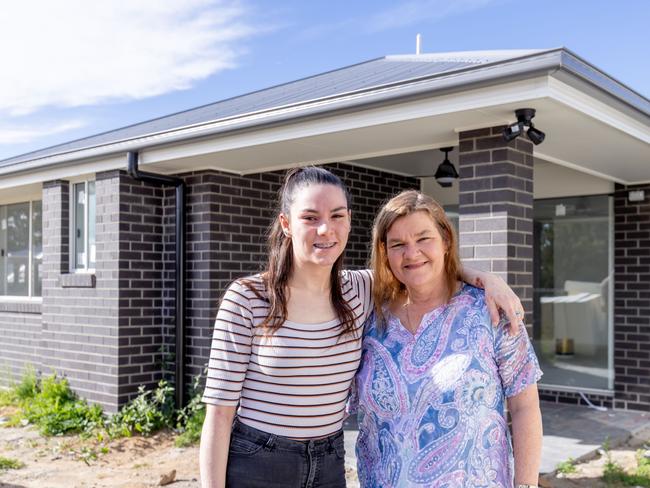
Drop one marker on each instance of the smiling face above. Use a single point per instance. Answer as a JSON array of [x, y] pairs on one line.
[[416, 251], [318, 223]]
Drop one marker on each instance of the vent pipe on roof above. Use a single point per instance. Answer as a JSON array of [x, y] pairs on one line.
[[179, 303], [418, 42]]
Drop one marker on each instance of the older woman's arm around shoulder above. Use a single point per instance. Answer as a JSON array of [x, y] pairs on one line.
[[526, 435], [215, 441]]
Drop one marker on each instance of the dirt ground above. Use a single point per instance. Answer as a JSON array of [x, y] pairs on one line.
[[137, 462], [589, 472]]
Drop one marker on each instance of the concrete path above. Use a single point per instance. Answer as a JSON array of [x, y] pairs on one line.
[[578, 431], [570, 431]]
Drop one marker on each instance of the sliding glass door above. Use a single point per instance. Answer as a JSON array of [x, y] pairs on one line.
[[572, 291]]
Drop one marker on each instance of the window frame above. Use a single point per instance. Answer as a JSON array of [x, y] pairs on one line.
[[30, 253], [72, 226]]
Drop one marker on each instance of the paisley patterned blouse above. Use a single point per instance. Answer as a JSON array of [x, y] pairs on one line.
[[431, 404]]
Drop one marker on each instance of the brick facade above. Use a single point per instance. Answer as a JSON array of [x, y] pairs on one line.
[[227, 220], [496, 208], [113, 332], [79, 320], [20, 340]]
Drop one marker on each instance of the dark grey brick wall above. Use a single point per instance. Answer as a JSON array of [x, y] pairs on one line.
[[632, 300], [227, 220], [79, 323], [105, 334], [20, 341], [140, 284], [496, 208]]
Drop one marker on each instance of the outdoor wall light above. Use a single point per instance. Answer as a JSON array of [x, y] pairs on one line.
[[446, 173], [524, 119]]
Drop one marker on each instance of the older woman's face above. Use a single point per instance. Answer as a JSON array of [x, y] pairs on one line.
[[416, 250]]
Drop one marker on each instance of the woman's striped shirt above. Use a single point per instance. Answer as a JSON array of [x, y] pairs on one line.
[[295, 382]]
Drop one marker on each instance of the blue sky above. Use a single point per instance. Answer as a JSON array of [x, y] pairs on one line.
[[74, 68]]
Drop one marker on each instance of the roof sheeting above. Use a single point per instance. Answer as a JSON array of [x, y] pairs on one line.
[[359, 77]]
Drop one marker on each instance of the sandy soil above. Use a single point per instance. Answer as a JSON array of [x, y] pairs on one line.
[[138, 462], [64, 462]]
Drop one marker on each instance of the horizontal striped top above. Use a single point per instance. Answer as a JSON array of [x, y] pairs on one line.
[[295, 382]]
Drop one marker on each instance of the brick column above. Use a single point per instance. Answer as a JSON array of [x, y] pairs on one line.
[[632, 300], [496, 208]]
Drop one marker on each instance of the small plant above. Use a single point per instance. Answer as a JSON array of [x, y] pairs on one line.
[[190, 419], [56, 409], [145, 414], [87, 454], [9, 463], [614, 474], [566, 467]]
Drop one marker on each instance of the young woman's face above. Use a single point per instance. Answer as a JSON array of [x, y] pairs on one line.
[[416, 250], [318, 223]]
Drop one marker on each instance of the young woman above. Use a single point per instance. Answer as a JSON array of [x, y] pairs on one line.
[[435, 375], [286, 345]]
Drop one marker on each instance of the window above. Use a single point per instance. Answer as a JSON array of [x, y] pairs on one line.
[[572, 291], [21, 249], [83, 226]]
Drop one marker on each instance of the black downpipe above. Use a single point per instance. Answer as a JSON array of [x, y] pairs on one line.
[[179, 306]]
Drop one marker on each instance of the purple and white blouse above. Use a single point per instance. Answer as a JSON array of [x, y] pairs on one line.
[[431, 404]]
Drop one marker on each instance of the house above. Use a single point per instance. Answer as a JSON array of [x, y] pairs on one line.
[[89, 243]]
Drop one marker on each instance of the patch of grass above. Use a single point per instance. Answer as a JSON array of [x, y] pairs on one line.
[[566, 467], [9, 463]]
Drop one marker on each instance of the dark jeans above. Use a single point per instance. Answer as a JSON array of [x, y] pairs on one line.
[[258, 459]]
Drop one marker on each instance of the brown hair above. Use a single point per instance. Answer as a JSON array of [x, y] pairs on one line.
[[386, 287], [280, 253]]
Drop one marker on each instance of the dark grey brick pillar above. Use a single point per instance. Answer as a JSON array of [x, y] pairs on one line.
[[496, 208], [632, 300]]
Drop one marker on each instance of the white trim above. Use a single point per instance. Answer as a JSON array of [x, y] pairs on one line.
[[29, 251], [594, 108], [21, 299]]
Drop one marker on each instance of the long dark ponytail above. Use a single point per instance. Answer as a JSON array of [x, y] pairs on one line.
[[280, 253]]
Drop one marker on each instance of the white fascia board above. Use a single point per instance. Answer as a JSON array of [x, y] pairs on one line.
[[436, 105], [590, 106], [71, 171]]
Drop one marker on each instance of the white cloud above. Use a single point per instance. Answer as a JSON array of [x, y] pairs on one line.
[[18, 134], [411, 12], [68, 53]]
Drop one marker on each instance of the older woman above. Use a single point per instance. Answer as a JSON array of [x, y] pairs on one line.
[[435, 375]]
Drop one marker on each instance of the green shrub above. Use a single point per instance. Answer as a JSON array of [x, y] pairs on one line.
[[57, 410], [190, 419], [145, 414], [28, 386]]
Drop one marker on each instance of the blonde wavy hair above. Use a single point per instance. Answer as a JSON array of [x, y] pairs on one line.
[[386, 287]]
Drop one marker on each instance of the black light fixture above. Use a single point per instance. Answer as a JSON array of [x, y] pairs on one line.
[[446, 173], [524, 119]]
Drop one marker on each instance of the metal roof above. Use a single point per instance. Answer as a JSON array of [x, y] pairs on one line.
[[371, 75]]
